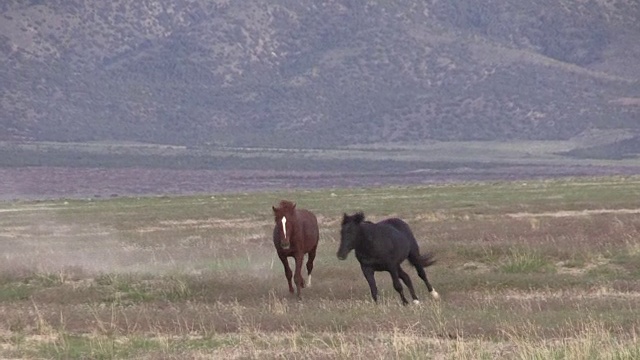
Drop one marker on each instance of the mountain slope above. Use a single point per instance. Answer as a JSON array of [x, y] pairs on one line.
[[316, 73]]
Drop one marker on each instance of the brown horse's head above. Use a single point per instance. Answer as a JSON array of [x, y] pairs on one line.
[[285, 218]]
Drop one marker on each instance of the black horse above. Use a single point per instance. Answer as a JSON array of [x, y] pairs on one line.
[[383, 246]]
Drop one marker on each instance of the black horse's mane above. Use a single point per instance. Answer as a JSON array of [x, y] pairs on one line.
[[356, 218]]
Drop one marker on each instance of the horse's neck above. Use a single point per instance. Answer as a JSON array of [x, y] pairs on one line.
[[361, 241]]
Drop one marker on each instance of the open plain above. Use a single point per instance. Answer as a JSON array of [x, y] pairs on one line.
[[526, 270]]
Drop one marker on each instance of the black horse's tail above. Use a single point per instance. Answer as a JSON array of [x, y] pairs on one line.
[[427, 259]]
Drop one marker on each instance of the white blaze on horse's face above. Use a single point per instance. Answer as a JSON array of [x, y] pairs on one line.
[[284, 242], [284, 226]]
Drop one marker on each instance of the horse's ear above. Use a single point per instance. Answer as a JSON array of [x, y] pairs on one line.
[[294, 206], [274, 208], [359, 217]]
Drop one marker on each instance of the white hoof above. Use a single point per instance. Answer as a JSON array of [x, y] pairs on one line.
[[416, 302], [435, 295], [309, 281]]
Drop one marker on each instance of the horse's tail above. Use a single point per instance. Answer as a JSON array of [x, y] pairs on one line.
[[427, 259]]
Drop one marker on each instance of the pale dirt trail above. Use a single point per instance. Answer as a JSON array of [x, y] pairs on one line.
[[574, 213], [32, 208]]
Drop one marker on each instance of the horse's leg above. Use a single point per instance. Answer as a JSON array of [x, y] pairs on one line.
[[407, 281], [312, 256], [393, 270], [423, 276], [368, 272], [297, 275], [287, 271]]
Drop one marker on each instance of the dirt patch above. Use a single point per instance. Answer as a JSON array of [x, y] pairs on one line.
[[572, 294], [476, 267], [574, 213]]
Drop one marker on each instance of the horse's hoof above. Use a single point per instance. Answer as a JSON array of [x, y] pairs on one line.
[[416, 301], [435, 295]]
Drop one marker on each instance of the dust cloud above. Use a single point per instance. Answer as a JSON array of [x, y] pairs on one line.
[[40, 242], [37, 242]]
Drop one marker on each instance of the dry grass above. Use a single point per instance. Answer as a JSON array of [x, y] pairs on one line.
[[197, 277]]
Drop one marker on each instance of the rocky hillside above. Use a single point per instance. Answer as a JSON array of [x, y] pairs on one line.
[[316, 73]]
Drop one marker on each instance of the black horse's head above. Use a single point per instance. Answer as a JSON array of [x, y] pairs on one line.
[[349, 233], [284, 217]]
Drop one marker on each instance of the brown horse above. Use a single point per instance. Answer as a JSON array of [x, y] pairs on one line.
[[295, 234]]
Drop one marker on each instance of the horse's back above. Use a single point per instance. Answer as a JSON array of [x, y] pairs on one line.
[[414, 254], [401, 226], [384, 242]]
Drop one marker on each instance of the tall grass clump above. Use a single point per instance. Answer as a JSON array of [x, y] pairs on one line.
[[591, 340], [523, 261]]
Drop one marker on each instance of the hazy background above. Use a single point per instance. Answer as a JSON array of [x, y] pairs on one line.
[[341, 87]]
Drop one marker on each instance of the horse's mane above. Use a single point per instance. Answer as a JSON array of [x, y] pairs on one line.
[[286, 206], [356, 218]]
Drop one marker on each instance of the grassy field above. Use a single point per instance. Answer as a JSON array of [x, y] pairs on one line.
[[450, 154], [526, 270]]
